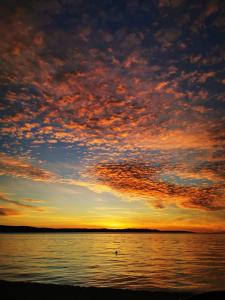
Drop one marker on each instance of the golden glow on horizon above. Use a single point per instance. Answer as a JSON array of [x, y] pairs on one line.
[[108, 125]]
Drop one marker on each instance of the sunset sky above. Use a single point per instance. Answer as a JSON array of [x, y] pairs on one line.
[[112, 114]]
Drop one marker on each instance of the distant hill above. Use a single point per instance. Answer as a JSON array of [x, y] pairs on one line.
[[29, 229]]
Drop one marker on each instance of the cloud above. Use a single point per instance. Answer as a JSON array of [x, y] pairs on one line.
[[8, 212], [7, 200], [145, 181], [204, 77], [212, 7], [30, 200], [172, 3], [166, 37], [117, 94], [110, 93], [19, 168], [109, 72]]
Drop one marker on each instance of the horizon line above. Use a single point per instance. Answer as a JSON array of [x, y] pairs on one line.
[[25, 228]]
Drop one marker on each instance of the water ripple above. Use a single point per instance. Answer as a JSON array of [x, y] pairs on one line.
[[143, 262]]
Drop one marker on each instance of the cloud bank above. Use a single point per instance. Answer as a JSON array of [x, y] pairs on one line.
[[128, 88]]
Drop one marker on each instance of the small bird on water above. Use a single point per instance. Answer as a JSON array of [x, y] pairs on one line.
[[116, 252]]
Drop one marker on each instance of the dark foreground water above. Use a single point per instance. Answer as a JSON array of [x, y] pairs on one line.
[[144, 261]]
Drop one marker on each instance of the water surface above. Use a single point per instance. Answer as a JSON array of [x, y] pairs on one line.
[[144, 261]]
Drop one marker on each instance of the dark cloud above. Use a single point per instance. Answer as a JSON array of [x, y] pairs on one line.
[[167, 37]]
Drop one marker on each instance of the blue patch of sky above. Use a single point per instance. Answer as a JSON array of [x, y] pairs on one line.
[[173, 179], [60, 152]]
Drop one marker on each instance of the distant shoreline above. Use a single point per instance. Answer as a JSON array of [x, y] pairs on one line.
[[29, 229]]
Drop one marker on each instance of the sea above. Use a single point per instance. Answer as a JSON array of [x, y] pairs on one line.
[[139, 261]]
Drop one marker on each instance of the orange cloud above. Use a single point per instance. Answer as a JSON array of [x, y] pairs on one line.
[[145, 181], [99, 102], [30, 200], [8, 212], [20, 168], [119, 94], [7, 200]]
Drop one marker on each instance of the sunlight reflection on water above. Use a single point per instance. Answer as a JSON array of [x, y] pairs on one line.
[[144, 261]]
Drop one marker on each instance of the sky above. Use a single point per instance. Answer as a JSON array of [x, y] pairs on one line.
[[112, 114]]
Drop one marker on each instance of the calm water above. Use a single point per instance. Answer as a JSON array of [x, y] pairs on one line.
[[144, 261]]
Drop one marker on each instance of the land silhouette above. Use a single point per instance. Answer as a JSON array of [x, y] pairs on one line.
[[30, 229], [38, 291]]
